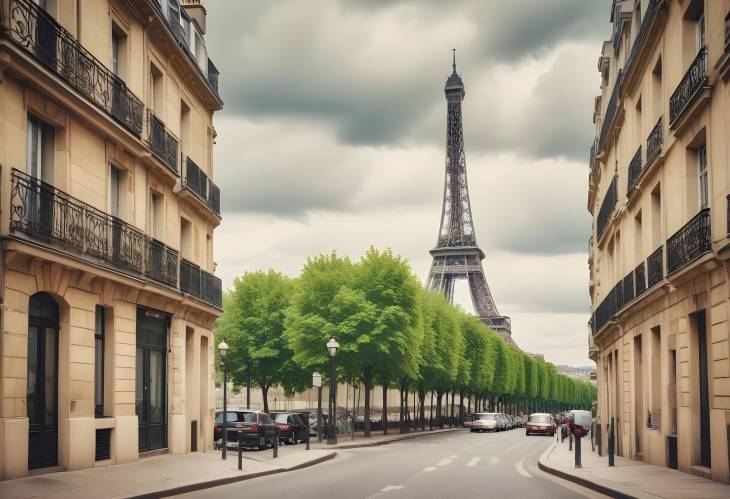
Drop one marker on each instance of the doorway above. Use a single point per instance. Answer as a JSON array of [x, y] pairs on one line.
[[151, 379], [705, 447], [42, 381]]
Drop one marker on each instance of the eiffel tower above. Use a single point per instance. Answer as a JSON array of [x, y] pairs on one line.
[[457, 255]]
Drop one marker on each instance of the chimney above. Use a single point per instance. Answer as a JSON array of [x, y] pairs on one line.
[[196, 11]]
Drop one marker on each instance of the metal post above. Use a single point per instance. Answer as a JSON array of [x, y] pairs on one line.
[[570, 442], [225, 408], [332, 426], [610, 443], [319, 414], [308, 432], [276, 442], [599, 444], [593, 434], [240, 451], [577, 452]]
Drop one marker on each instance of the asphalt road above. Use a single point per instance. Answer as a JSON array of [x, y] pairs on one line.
[[448, 465]]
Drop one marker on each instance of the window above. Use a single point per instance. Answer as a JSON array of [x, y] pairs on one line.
[[656, 217], [41, 148], [99, 362], [184, 128], [157, 210], [119, 50], [702, 176], [638, 238], [116, 190], [186, 239], [156, 89], [700, 31]]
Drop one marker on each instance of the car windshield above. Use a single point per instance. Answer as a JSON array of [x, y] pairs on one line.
[[539, 418], [280, 418], [485, 417]]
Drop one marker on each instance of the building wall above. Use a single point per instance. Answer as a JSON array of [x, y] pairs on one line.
[[88, 141], [635, 349]]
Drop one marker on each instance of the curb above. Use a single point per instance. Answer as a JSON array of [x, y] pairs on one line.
[[399, 438], [192, 487], [583, 482]]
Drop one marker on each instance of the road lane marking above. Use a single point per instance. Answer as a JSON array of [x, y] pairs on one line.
[[445, 461], [388, 488], [453, 456], [474, 461], [494, 460], [430, 468], [520, 467]]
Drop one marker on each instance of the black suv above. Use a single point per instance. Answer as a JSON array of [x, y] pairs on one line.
[[257, 428]]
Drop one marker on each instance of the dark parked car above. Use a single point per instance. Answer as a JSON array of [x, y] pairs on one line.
[[292, 427], [258, 428]]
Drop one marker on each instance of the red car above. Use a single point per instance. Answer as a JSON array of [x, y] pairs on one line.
[[292, 428], [540, 424]]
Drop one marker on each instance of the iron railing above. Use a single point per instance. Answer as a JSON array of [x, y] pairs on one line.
[[213, 74], [692, 82], [214, 198], [610, 114], [635, 169], [162, 142], [33, 29], [629, 293], [604, 214], [592, 157], [654, 141], [689, 242], [651, 9], [195, 179], [640, 279], [655, 267], [162, 263], [200, 284], [51, 216]]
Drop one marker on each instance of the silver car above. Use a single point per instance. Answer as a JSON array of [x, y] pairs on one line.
[[485, 421]]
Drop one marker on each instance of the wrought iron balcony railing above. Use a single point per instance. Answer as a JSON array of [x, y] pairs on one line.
[[651, 9], [33, 29], [655, 267], [200, 284], [655, 141], [692, 82], [162, 263], [689, 242], [198, 182], [629, 293], [162, 142], [635, 169], [592, 158], [213, 74], [604, 214], [610, 114], [640, 279], [53, 217]]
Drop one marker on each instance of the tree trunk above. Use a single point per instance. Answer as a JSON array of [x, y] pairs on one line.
[[264, 394], [439, 399], [366, 384], [384, 419], [430, 414], [422, 408]]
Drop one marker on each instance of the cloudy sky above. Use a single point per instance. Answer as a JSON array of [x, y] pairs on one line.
[[333, 136]]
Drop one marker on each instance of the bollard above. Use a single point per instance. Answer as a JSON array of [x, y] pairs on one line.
[[598, 440], [610, 443], [276, 443], [577, 452], [570, 442], [307, 448], [240, 451], [593, 434]]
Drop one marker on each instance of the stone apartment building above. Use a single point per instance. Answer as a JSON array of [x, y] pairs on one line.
[[107, 213], [659, 194]]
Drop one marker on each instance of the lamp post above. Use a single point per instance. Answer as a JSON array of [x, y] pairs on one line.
[[332, 347], [223, 349], [317, 383]]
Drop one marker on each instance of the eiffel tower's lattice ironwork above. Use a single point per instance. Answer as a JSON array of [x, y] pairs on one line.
[[457, 255]]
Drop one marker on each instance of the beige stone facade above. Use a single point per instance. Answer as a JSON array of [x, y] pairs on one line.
[[659, 195], [107, 213]]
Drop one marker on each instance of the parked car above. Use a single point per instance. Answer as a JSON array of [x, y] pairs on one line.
[[502, 423], [257, 428], [540, 424], [292, 427], [469, 419], [485, 421]]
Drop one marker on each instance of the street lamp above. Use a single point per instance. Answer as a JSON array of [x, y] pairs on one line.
[[223, 349], [317, 383], [332, 347]]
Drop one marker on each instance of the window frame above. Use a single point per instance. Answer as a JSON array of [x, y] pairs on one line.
[[703, 197], [99, 359]]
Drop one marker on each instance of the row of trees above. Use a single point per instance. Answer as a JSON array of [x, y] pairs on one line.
[[392, 333]]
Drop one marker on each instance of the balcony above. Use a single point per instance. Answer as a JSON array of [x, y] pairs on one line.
[[604, 214], [592, 157], [646, 22], [640, 279], [200, 284], [689, 88], [610, 114], [689, 242], [655, 141], [196, 181], [629, 293], [162, 142], [655, 267], [55, 219], [34, 30], [635, 169]]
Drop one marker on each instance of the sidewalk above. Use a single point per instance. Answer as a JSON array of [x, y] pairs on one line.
[[161, 476], [377, 438], [628, 479]]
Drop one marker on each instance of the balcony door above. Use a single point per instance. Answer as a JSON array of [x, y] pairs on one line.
[[151, 379], [42, 381], [40, 152]]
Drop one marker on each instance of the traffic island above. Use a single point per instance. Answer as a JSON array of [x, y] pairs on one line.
[[627, 479]]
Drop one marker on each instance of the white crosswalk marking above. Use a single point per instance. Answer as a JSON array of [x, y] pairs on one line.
[[444, 462], [430, 468], [388, 488], [474, 461], [494, 460]]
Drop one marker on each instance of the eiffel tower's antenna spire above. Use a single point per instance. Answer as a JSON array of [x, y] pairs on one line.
[[454, 63]]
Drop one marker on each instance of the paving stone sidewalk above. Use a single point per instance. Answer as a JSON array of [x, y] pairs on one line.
[[628, 479], [161, 476]]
